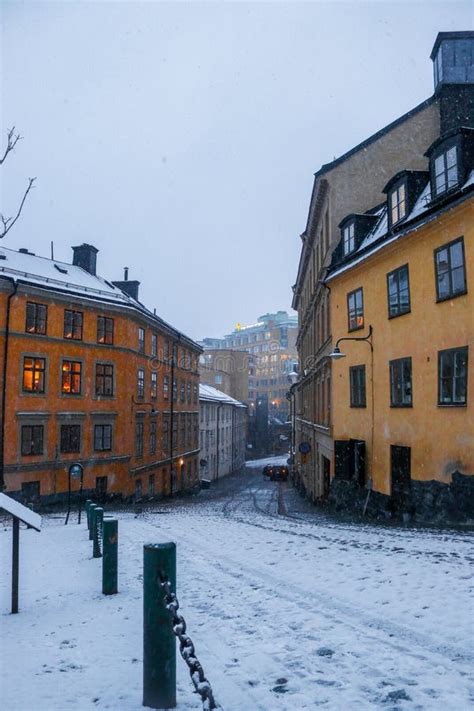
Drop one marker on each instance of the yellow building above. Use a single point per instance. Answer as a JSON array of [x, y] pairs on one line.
[[402, 314]]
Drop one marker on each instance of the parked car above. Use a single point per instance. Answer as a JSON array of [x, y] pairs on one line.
[[279, 473], [267, 471]]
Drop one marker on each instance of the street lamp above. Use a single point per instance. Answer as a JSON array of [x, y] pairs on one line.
[[336, 354]]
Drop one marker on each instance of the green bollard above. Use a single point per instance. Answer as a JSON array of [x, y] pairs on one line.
[[92, 509], [87, 504], [109, 556], [97, 532], [159, 642]]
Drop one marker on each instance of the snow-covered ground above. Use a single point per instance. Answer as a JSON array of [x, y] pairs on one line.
[[286, 612]]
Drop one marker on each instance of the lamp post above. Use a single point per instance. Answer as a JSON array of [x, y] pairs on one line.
[[336, 355]]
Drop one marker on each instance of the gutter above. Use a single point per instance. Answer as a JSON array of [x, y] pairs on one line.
[[4, 382]]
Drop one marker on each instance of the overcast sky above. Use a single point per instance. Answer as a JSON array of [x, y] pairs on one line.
[[181, 138]]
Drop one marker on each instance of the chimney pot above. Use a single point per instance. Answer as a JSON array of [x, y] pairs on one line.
[[125, 273]]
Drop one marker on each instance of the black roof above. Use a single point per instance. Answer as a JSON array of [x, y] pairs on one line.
[[449, 36]]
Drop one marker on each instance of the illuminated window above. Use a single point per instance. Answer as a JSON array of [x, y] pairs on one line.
[[73, 325], [71, 377], [355, 309], [33, 375]]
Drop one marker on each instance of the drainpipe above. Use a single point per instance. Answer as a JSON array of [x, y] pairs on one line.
[[172, 417], [232, 439], [4, 382], [217, 439]]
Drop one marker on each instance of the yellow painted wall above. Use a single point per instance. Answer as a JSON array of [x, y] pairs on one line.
[[441, 438]]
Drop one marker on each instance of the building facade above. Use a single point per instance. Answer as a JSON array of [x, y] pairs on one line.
[[353, 184], [271, 348], [402, 282], [222, 433], [89, 375]]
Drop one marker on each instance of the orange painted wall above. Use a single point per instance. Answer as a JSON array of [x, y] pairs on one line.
[[441, 438], [51, 467]]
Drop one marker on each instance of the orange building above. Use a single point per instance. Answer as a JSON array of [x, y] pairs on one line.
[[89, 375]]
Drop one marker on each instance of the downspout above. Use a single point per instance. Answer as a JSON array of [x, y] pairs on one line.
[[4, 382], [232, 439], [172, 418], [217, 439]]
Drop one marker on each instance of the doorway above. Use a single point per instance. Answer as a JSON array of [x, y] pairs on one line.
[[326, 476], [400, 475]]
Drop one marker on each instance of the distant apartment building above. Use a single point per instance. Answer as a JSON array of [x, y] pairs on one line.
[[270, 348], [222, 433], [229, 371], [90, 375]]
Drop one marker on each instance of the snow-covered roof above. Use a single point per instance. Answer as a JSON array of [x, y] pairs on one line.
[[51, 274], [210, 394], [380, 229]]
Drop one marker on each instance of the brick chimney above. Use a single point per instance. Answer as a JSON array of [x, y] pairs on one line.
[[85, 256], [128, 287]]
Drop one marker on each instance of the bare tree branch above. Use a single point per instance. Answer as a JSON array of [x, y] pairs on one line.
[[8, 222], [12, 140]]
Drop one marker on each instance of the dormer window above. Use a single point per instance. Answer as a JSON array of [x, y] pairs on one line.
[[348, 238], [398, 208], [446, 170]]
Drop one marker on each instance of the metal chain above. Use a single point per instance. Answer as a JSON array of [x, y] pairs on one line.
[[98, 534], [186, 648]]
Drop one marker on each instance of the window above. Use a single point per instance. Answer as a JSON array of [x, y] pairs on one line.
[[355, 309], [348, 238], [398, 292], [218, 379], [166, 350], [36, 318], [175, 390], [446, 170], [452, 376], [450, 270], [141, 340], [188, 392], [73, 325], [166, 387], [139, 439], [154, 344], [70, 438], [104, 379], [102, 438], [195, 394], [32, 439], [33, 375], [357, 385], [400, 383], [153, 437], [105, 330], [71, 377], [182, 391], [154, 385], [141, 383], [398, 207]]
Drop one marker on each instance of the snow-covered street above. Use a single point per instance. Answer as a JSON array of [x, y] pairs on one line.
[[288, 611]]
